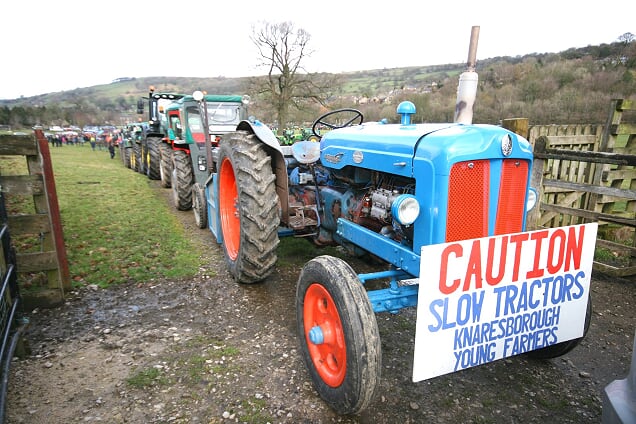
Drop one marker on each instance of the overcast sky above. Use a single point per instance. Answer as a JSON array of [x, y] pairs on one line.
[[50, 46]]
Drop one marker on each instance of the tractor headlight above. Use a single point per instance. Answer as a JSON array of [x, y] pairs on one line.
[[532, 199], [405, 209]]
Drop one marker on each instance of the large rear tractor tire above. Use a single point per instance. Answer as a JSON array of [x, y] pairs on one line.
[[181, 180], [199, 206], [339, 336], [153, 158], [165, 165], [248, 207]]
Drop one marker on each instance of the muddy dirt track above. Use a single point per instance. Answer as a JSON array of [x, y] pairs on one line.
[[209, 350]]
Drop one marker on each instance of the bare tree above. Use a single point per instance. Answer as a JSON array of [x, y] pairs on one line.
[[282, 50], [626, 38]]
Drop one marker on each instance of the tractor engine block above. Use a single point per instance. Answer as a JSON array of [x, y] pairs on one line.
[[367, 204]]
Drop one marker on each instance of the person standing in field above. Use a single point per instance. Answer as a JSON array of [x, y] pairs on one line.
[[111, 148]]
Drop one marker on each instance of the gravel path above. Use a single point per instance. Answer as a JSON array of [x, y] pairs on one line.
[[208, 350]]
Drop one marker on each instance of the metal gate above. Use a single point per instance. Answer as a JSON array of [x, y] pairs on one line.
[[11, 321]]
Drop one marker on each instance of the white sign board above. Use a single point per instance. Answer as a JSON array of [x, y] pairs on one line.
[[485, 299]]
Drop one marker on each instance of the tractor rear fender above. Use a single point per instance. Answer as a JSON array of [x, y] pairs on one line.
[[267, 137]]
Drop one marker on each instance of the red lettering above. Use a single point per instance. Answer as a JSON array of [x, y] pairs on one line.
[[492, 279], [473, 270], [518, 240], [457, 250], [574, 249], [536, 271], [553, 267]]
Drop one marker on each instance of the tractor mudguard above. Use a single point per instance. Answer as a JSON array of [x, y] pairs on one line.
[[211, 188], [262, 131]]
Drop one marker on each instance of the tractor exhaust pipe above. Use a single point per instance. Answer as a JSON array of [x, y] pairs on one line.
[[467, 87]]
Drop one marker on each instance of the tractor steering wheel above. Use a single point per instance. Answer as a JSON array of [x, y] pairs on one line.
[[338, 118]]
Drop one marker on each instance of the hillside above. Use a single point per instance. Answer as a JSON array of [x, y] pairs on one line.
[[573, 86]]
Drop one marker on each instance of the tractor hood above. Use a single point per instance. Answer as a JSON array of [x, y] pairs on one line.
[[394, 148]]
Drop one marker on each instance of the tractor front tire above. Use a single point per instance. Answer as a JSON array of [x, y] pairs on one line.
[[560, 349], [339, 336], [165, 165], [199, 206], [126, 157], [181, 180], [136, 158], [248, 207]]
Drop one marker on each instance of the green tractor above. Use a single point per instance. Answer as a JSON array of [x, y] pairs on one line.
[[130, 153], [152, 147], [189, 124], [292, 135]]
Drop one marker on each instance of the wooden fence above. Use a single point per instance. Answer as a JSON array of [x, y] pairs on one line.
[[44, 224], [587, 173]]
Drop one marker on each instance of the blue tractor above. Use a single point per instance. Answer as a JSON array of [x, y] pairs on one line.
[[383, 189]]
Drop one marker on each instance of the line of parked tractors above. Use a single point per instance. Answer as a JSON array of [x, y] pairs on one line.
[[170, 145]]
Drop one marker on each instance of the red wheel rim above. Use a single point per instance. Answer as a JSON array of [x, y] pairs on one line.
[[330, 357], [228, 210]]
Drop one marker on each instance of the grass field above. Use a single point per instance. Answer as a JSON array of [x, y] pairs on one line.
[[116, 228]]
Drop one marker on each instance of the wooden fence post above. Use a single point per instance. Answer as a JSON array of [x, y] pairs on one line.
[[63, 273], [517, 125], [536, 180]]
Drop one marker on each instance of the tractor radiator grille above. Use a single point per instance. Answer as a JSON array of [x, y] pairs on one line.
[[512, 196], [469, 199], [468, 192]]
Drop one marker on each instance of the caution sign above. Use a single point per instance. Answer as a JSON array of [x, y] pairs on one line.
[[485, 299]]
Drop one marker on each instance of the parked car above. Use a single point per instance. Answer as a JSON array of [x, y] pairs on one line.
[[619, 397]]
